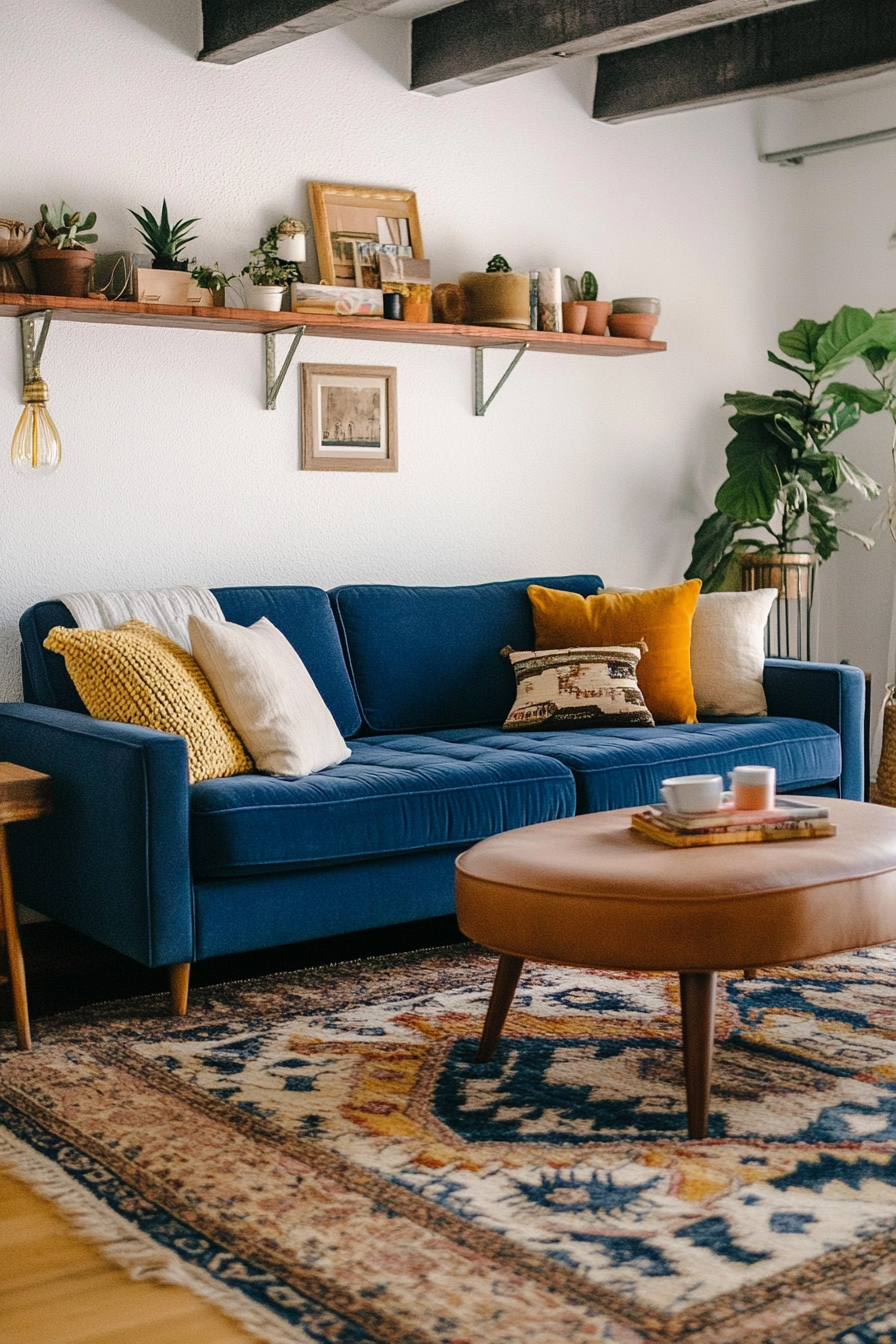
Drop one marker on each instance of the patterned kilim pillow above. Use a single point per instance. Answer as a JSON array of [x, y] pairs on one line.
[[135, 674], [577, 688]]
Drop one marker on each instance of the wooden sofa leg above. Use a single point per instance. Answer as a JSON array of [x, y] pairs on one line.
[[179, 984]]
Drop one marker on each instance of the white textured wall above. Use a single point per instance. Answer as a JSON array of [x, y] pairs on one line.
[[173, 472], [849, 211]]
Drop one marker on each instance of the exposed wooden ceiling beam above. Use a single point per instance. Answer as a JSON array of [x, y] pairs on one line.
[[234, 30], [480, 41], [818, 43]]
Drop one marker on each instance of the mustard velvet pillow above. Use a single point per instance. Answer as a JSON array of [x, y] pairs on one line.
[[135, 674], [661, 617]]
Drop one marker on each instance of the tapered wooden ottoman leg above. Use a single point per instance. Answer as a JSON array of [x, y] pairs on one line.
[[507, 977], [14, 949], [750, 972], [698, 1020], [179, 986]]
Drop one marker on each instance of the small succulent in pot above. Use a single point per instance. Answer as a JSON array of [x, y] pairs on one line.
[[63, 228], [584, 290], [497, 265], [165, 240]]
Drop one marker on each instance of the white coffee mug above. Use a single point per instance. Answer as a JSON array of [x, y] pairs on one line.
[[693, 793], [753, 787]]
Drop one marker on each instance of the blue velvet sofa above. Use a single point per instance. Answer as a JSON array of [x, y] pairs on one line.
[[170, 873]]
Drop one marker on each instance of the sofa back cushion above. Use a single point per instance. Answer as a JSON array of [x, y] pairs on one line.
[[303, 615], [429, 658]]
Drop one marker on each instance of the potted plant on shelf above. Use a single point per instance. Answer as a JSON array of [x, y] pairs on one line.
[[269, 275], [784, 477], [212, 279], [62, 263], [497, 296], [585, 291], [165, 281]]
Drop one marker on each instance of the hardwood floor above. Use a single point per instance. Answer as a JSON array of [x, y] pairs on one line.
[[56, 1288]]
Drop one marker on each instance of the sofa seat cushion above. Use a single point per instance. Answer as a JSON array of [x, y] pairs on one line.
[[624, 767], [393, 796]]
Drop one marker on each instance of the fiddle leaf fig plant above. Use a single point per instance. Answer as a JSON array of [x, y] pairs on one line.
[[785, 479]]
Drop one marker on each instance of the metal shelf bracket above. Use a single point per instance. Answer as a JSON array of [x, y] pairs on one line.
[[31, 349], [481, 402], [273, 379]]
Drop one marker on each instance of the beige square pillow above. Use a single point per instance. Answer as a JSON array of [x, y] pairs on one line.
[[728, 651], [268, 695], [577, 688]]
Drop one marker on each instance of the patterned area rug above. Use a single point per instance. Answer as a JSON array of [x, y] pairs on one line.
[[320, 1155]]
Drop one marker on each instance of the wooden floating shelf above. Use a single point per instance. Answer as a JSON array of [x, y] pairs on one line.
[[344, 328]]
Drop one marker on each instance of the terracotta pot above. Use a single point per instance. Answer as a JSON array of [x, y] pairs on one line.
[[496, 298], [574, 318], [638, 325], [596, 321], [415, 312], [65, 272]]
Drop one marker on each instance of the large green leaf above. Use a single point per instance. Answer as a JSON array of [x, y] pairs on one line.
[[752, 403], [807, 374], [751, 490], [866, 485], [881, 332], [713, 537], [801, 340], [867, 399], [846, 326]]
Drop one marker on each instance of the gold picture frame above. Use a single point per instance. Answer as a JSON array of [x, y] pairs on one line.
[[349, 417], [344, 216]]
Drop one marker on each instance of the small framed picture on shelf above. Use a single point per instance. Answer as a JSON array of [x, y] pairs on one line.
[[349, 418], [351, 223]]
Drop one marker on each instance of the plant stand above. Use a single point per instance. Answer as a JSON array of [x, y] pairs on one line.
[[789, 630]]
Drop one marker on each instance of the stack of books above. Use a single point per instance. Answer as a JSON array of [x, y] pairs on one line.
[[787, 820]]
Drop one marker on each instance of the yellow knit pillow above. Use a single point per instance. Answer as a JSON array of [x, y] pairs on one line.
[[660, 616], [135, 674]]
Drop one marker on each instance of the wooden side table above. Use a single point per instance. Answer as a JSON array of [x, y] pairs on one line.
[[24, 794]]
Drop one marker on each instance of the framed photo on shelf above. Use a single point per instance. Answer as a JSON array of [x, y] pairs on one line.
[[349, 418], [348, 217]]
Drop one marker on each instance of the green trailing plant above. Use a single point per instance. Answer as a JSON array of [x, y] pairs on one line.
[[584, 290], [785, 479], [64, 228], [497, 265], [210, 277], [165, 240], [268, 269]]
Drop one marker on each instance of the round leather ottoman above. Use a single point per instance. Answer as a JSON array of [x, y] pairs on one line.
[[589, 891]]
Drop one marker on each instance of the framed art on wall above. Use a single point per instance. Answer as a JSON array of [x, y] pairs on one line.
[[348, 220], [349, 418]]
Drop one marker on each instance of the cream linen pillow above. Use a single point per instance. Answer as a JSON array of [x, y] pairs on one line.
[[728, 650], [268, 695]]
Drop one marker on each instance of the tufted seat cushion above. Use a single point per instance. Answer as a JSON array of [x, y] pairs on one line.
[[393, 796], [623, 767]]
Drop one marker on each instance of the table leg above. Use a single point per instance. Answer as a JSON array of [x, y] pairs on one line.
[[14, 949], [698, 1017], [507, 977]]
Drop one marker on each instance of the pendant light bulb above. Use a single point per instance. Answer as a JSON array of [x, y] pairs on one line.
[[36, 445]]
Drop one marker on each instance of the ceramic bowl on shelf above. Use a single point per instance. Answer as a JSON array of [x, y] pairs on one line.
[[639, 325], [637, 305]]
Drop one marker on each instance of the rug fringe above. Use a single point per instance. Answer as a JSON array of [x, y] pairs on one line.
[[135, 1251]]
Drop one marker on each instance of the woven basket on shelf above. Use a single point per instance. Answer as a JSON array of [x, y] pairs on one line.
[[885, 785]]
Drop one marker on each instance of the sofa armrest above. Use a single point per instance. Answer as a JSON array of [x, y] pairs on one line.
[[112, 859], [828, 693]]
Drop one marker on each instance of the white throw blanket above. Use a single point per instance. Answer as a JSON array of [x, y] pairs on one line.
[[168, 609]]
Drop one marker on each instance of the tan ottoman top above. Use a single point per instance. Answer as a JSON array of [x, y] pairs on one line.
[[589, 891]]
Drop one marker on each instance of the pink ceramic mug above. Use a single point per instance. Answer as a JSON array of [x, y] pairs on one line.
[[753, 787]]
